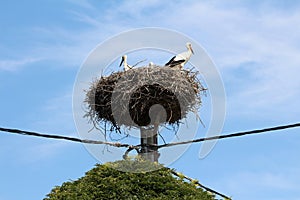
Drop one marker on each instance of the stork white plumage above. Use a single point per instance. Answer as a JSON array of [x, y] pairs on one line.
[[182, 58], [125, 64]]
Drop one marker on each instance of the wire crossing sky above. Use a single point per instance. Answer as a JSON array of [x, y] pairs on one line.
[[232, 135]]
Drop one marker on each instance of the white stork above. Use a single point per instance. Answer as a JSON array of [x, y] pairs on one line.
[[182, 58], [124, 61]]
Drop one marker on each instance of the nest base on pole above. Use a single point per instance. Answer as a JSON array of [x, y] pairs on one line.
[[135, 91]]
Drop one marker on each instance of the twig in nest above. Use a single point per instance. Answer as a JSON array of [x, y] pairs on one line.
[[139, 62]]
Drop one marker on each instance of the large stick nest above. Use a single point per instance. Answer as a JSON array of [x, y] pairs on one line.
[[126, 97]]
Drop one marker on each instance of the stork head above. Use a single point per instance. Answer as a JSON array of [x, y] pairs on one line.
[[189, 47], [124, 58]]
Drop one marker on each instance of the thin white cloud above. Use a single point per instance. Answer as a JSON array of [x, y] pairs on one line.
[[42, 151], [82, 3], [15, 65], [56, 115], [89, 20]]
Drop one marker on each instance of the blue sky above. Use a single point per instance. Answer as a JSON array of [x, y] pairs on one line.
[[254, 44]]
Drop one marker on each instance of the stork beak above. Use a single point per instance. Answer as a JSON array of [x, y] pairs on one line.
[[121, 61], [192, 50]]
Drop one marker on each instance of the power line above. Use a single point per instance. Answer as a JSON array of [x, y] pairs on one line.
[[238, 134], [58, 137], [117, 144], [196, 182]]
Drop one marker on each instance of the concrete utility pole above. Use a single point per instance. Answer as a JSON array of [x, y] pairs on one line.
[[149, 141], [148, 138]]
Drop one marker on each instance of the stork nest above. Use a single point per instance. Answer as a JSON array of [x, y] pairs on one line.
[[126, 97]]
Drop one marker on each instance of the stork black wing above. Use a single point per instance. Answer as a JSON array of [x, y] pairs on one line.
[[177, 62], [174, 62], [170, 61]]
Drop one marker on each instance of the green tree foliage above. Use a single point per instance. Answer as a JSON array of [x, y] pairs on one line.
[[106, 182]]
